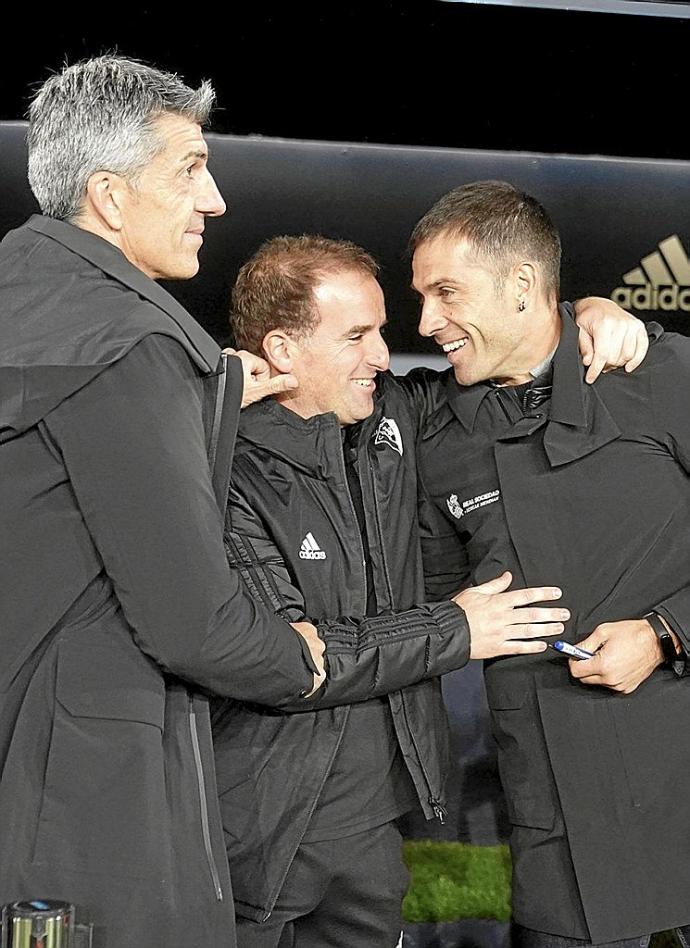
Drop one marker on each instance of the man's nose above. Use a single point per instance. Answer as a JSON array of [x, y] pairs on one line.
[[378, 355], [209, 200], [431, 319]]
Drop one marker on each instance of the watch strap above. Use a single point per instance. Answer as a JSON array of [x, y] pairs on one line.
[[665, 638]]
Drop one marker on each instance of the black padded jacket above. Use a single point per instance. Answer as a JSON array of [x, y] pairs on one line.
[[293, 532]]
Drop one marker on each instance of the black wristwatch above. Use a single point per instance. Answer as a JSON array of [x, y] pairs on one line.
[[665, 638]]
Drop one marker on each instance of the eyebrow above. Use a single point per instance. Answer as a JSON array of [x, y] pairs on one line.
[[432, 286], [197, 153], [365, 327]]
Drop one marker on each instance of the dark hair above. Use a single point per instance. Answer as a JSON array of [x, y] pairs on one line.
[[275, 287], [501, 224]]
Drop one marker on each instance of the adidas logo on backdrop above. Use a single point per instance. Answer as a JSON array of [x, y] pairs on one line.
[[661, 282], [310, 549]]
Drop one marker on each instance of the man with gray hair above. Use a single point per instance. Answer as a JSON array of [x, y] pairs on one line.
[[118, 610]]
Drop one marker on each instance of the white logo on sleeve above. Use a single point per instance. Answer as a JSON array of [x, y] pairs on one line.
[[389, 433], [459, 509], [310, 549]]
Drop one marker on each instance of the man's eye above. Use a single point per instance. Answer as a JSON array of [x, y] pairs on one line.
[[445, 292], [190, 170], [355, 337]]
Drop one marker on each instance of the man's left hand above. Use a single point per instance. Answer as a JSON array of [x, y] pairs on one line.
[[258, 382], [627, 653], [609, 337]]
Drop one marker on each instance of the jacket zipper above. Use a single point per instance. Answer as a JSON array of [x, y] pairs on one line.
[[355, 520], [327, 771], [340, 735], [201, 784], [440, 811], [502, 406], [379, 531]]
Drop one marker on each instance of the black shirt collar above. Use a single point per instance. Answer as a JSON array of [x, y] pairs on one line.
[[567, 399], [568, 396]]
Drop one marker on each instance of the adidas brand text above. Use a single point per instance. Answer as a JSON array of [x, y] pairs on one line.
[[310, 549], [661, 282]]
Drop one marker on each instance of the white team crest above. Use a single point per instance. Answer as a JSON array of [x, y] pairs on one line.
[[389, 433], [455, 506], [460, 508]]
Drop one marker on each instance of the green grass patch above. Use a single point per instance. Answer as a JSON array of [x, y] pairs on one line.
[[451, 881]]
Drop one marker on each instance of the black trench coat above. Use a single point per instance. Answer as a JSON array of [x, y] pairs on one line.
[[591, 493], [118, 609]]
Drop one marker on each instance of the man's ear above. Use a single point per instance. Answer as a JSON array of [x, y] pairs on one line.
[[279, 350], [525, 276], [105, 195]]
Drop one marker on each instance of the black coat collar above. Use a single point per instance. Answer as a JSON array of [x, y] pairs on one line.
[[578, 421], [112, 261]]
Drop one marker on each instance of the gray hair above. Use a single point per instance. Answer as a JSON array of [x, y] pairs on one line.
[[98, 115]]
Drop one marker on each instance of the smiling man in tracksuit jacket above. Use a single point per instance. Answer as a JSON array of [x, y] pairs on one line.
[[324, 501]]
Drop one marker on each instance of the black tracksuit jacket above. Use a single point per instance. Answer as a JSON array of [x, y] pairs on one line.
[[289, 480]]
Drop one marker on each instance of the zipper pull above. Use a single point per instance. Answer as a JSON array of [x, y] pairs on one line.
[[440, 812]]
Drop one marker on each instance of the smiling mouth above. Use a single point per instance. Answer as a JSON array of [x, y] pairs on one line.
[[456, 344], [365, 383]]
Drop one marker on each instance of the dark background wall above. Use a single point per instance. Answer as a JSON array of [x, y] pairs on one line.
[[420, 72]]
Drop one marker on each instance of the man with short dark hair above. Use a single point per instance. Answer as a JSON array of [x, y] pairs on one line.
[[526, 468], [118, 610], [324, 501]]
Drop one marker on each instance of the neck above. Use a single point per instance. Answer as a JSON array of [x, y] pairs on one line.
[[542, 334], [95, 226], [289, 399]]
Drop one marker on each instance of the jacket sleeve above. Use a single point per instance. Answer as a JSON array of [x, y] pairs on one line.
[[445, 561], [444, 557], [365, 656], [133, 445], [422, 389]]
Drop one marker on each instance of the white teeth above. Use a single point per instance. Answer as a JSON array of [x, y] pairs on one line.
[[365, 383], [452, 346]]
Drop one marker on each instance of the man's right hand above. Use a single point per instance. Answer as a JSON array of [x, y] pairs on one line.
[[258, 382], [499, 620], [317, 647]]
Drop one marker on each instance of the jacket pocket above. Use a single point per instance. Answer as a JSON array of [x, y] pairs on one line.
[[104, 802], [523, 760], [101, 693], [653, 742]]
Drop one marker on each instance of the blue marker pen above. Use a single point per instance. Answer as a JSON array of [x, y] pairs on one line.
[[572, 651]]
